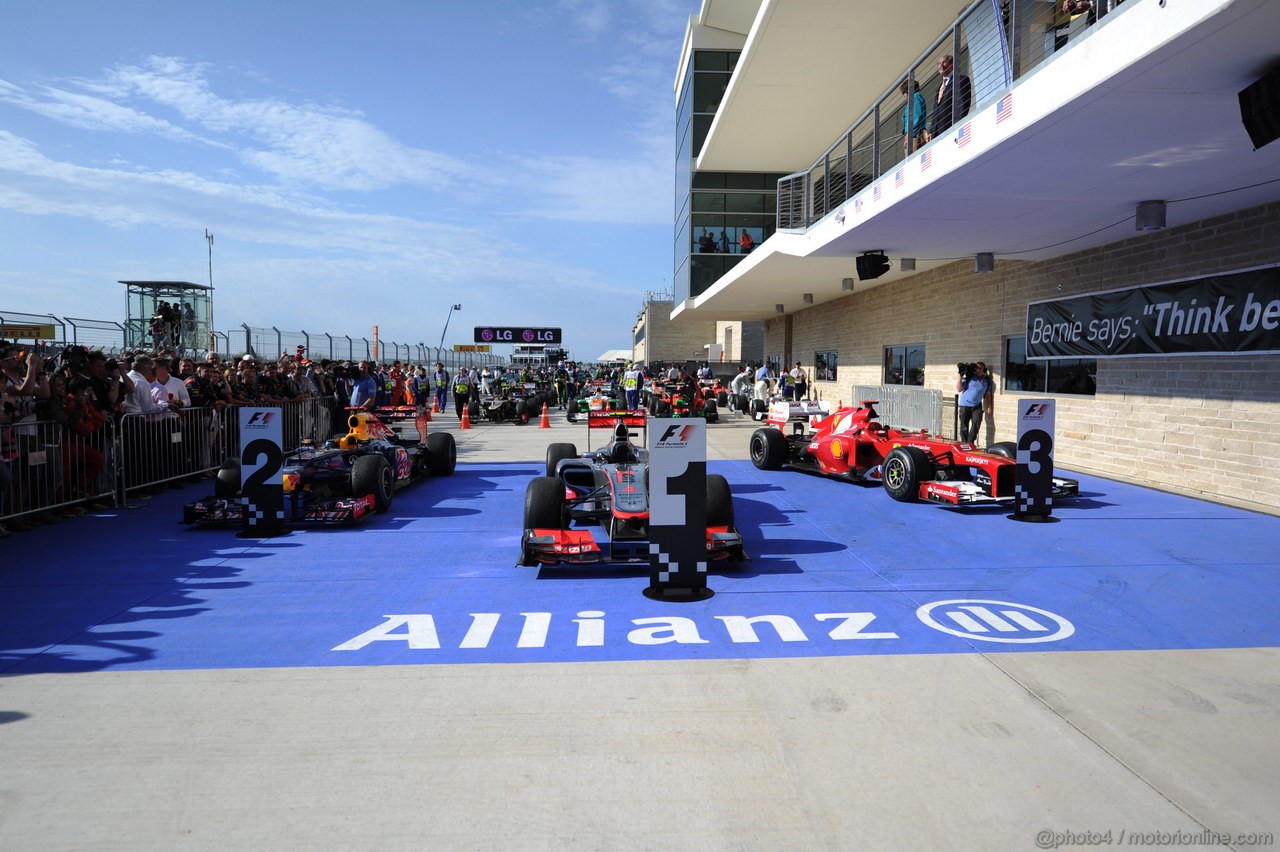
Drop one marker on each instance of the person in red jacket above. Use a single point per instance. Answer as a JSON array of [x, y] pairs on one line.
[[81, 460]]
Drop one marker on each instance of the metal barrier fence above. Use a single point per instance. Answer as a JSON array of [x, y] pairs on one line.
[[904, 406], [46, 467], [992, 42], [267, 343]]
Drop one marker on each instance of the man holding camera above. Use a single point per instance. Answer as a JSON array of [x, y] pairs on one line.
[[976, 396]]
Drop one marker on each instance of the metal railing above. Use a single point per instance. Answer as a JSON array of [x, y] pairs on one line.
[[112, 338], [903, 406], [993, 43]]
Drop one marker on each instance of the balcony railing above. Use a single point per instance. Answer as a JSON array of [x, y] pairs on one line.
[[993, 43]]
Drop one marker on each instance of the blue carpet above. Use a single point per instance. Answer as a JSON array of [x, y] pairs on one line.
[[836, 569]]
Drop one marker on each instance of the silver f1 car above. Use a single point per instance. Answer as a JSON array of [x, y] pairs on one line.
[[594, 506]]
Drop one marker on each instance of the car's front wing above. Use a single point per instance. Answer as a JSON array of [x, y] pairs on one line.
[[223, 512], [579, 547]]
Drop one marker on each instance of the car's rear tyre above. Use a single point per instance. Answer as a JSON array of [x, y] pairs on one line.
[[558, 452], [442, 453], [1008, 449], [758, 407], [473, 409], [710, 411], [722, 399], [372, 475], [904, 469], [544, 504], [227, 484], [522, 412], [719, 501], [768, 448]]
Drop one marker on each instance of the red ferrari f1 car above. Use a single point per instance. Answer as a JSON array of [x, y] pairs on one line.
[[852, 444], [594, 507]]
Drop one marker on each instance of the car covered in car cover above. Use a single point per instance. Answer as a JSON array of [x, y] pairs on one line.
[[594, 506], [344, 481], [852, 444]]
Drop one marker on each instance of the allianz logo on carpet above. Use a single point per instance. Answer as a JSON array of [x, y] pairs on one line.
[[980, 620]]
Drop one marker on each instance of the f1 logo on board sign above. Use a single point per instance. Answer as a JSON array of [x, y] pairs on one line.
[[676, 436]]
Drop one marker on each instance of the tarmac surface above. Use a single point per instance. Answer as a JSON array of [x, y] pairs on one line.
[[878, 676]]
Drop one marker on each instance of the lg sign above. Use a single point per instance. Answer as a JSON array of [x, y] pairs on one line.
[[495, 334]]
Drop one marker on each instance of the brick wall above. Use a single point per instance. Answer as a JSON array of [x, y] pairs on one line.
[[1198, 425], [667, 341]]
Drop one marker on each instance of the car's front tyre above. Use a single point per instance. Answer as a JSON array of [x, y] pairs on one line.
[[904, 469], [371, 475]]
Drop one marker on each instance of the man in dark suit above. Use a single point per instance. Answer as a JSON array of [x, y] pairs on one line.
[[955, 93]]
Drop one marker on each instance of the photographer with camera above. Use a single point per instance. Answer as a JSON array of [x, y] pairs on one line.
[[976, 397]]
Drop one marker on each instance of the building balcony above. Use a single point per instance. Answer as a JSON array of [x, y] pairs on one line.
[[1071, 128]]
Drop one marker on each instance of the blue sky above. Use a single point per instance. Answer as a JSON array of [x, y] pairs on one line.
[[357, 164]]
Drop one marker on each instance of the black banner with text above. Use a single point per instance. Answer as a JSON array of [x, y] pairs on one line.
[[1237, 313]]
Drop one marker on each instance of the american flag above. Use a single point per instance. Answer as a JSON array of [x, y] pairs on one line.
[[1004, 108], [926, 159], [965, 134], [857, 205], [875, 193], [897, 178]]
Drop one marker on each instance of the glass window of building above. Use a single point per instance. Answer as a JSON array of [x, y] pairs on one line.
[[904, 364], [1075, 376]]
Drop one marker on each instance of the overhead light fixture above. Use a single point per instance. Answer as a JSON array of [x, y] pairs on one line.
[[808, 298], [846, 284], [778, 309], [1149, 216], [871, 264], [907, 264], [984, 262]]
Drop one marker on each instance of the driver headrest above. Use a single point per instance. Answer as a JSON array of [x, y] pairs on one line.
[[621, 433]]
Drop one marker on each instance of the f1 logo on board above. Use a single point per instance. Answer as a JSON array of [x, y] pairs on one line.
[[681, 436], [259, 419], [1036, 411]]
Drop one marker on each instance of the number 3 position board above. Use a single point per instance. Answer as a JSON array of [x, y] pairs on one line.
[[1034, 478]]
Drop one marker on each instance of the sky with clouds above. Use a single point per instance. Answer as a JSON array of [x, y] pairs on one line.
[[358, 164]]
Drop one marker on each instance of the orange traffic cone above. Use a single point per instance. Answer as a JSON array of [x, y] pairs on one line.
[[545, 422], [466, 417], [435, 404]]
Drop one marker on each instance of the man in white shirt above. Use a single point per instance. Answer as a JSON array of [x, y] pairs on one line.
[[174, 390], [147, 443], [801, 379], [141, 400], [764, 382]]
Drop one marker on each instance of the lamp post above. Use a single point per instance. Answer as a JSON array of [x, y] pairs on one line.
[[213, 346], [446, 322]]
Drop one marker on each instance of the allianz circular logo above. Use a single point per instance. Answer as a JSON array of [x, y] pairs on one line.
[[995, 621]]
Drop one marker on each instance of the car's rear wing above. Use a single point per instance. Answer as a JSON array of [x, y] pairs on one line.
[[610, 419], [381, 422]]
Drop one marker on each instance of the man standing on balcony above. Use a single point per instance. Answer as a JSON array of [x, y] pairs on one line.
[[955, 95]]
